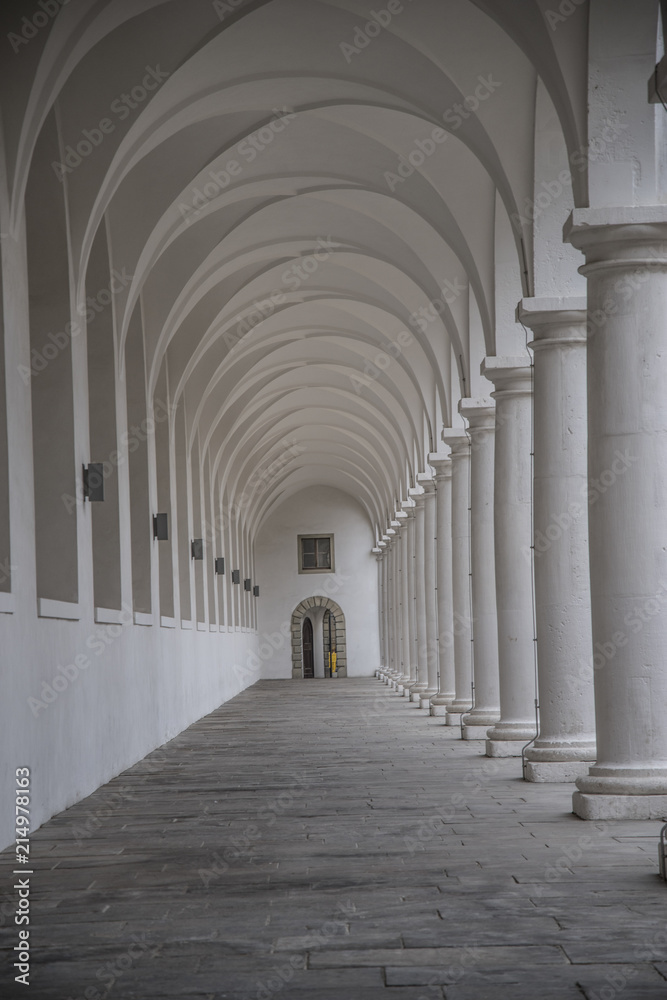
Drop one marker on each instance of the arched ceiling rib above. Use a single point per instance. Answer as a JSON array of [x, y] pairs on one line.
[[320, 291]]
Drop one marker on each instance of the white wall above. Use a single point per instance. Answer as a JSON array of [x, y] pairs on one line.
[[142, 686], [353, 585]]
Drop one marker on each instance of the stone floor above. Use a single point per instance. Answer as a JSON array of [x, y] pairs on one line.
[[324, 840]]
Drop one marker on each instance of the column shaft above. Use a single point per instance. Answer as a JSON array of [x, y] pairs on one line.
[[430, 594], [480, 414], [420, 601], [462, 613], [405, 605], [446, 685], [626, 267], [562, 583], [512, 507]]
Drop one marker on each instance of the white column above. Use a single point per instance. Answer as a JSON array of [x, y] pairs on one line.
[[393, 636], [386, 540], [409, 508], [562, 584], [420, 600], [480, 414], [430, 593], [377, 552], [405, 603], [443, 486], [626, 267], [397, 680], [513, 522], [460, 639]]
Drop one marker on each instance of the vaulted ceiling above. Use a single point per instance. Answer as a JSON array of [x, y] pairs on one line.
[[324, 216]]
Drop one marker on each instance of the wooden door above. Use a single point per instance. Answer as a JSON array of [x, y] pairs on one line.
[[308, 662]]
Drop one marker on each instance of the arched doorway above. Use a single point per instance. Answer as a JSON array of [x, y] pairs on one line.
[[307, 644], [331, 635]]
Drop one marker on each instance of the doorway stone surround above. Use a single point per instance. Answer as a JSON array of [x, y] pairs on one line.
[[299, 613]]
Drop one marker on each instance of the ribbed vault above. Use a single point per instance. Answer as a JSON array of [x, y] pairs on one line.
[[323, 237]]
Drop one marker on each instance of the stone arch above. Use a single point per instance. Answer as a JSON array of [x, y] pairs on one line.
[[299, 614]]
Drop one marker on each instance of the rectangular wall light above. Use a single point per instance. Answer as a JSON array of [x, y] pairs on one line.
[[236, 576], [161, 527], [93, 482], [197, 548], [255, 591], [220, 566], [247, 584]]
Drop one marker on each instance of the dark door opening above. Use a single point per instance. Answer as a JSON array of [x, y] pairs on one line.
[[308, 661]]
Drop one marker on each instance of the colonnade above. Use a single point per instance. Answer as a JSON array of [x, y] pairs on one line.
[[535, 575]]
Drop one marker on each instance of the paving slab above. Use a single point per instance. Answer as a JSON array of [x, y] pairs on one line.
[[300, 842]]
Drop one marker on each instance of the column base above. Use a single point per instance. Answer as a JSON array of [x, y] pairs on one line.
[[588, 806], [453, 718], [474, 732], [439, 711], [555, 770], [504, 748], [440, 703], [425, 699]]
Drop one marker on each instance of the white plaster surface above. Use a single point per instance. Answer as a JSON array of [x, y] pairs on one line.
[[352, 585]]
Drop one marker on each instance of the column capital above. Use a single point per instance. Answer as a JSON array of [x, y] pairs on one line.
[[480, 413], [442, 464], [555, 322], [619, 236], [408, 507], [418, 496], [510, 375], [426, 482], [458, 441]]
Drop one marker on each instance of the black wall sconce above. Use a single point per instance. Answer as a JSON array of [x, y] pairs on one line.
[[247, 584], [161, 527], [255, 590], [220, 566], [93, 482], [197, 548], [236, 576]]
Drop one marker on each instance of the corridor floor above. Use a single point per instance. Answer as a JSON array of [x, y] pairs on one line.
[[324, 840]]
